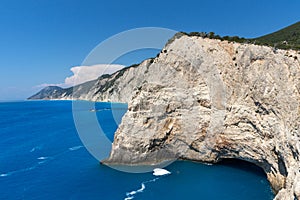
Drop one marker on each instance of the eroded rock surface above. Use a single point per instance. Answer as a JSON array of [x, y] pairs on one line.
[[206, 100]]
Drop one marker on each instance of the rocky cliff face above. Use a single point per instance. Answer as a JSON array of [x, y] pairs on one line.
[[206, 100]]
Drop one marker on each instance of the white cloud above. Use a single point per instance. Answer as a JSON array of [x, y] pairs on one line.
[[83, 74]]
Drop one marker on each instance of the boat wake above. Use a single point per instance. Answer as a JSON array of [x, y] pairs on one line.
[[156, 172], [130, 195], [3, 175], [75, 148], [18, 171], [42, 160], [35, 148]]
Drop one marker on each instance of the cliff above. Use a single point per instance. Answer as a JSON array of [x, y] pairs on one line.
[[206, 100]]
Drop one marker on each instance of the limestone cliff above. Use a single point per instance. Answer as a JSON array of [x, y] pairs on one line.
[[205, 100]]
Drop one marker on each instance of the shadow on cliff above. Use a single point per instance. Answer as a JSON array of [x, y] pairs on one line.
[[242, 165]]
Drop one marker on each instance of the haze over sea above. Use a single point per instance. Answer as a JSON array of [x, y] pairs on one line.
[[42, 157]]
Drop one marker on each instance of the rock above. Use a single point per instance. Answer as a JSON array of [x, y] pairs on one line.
[[207, 100]]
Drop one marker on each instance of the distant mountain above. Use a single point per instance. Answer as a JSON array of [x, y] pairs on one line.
[[286, 38], [105, 88], [76, 92], [50, 92]]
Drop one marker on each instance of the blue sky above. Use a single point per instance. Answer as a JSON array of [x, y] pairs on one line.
[[42, 39]]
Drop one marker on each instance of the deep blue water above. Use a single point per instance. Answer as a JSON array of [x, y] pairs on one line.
[[42, 157]]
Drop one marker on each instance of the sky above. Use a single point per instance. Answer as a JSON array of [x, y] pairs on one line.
[[42, 40]]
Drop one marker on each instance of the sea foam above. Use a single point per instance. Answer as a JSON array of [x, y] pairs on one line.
[[161, 172], [75, 148], [130, 195], [35, 148], [3, 175], [42, 158]]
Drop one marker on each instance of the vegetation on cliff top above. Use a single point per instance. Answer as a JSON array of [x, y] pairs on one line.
[[286, 38]]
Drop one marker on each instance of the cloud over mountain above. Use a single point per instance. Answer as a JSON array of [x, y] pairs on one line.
[[83, 74]]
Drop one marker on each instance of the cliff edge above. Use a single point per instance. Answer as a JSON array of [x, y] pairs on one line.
[[206, 100]]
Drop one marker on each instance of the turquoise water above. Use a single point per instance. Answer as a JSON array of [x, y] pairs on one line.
[[42, 157]]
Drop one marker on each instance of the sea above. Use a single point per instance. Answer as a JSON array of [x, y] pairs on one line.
[[42, 157]]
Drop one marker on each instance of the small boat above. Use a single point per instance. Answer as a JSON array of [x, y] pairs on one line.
[[160, 172]]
